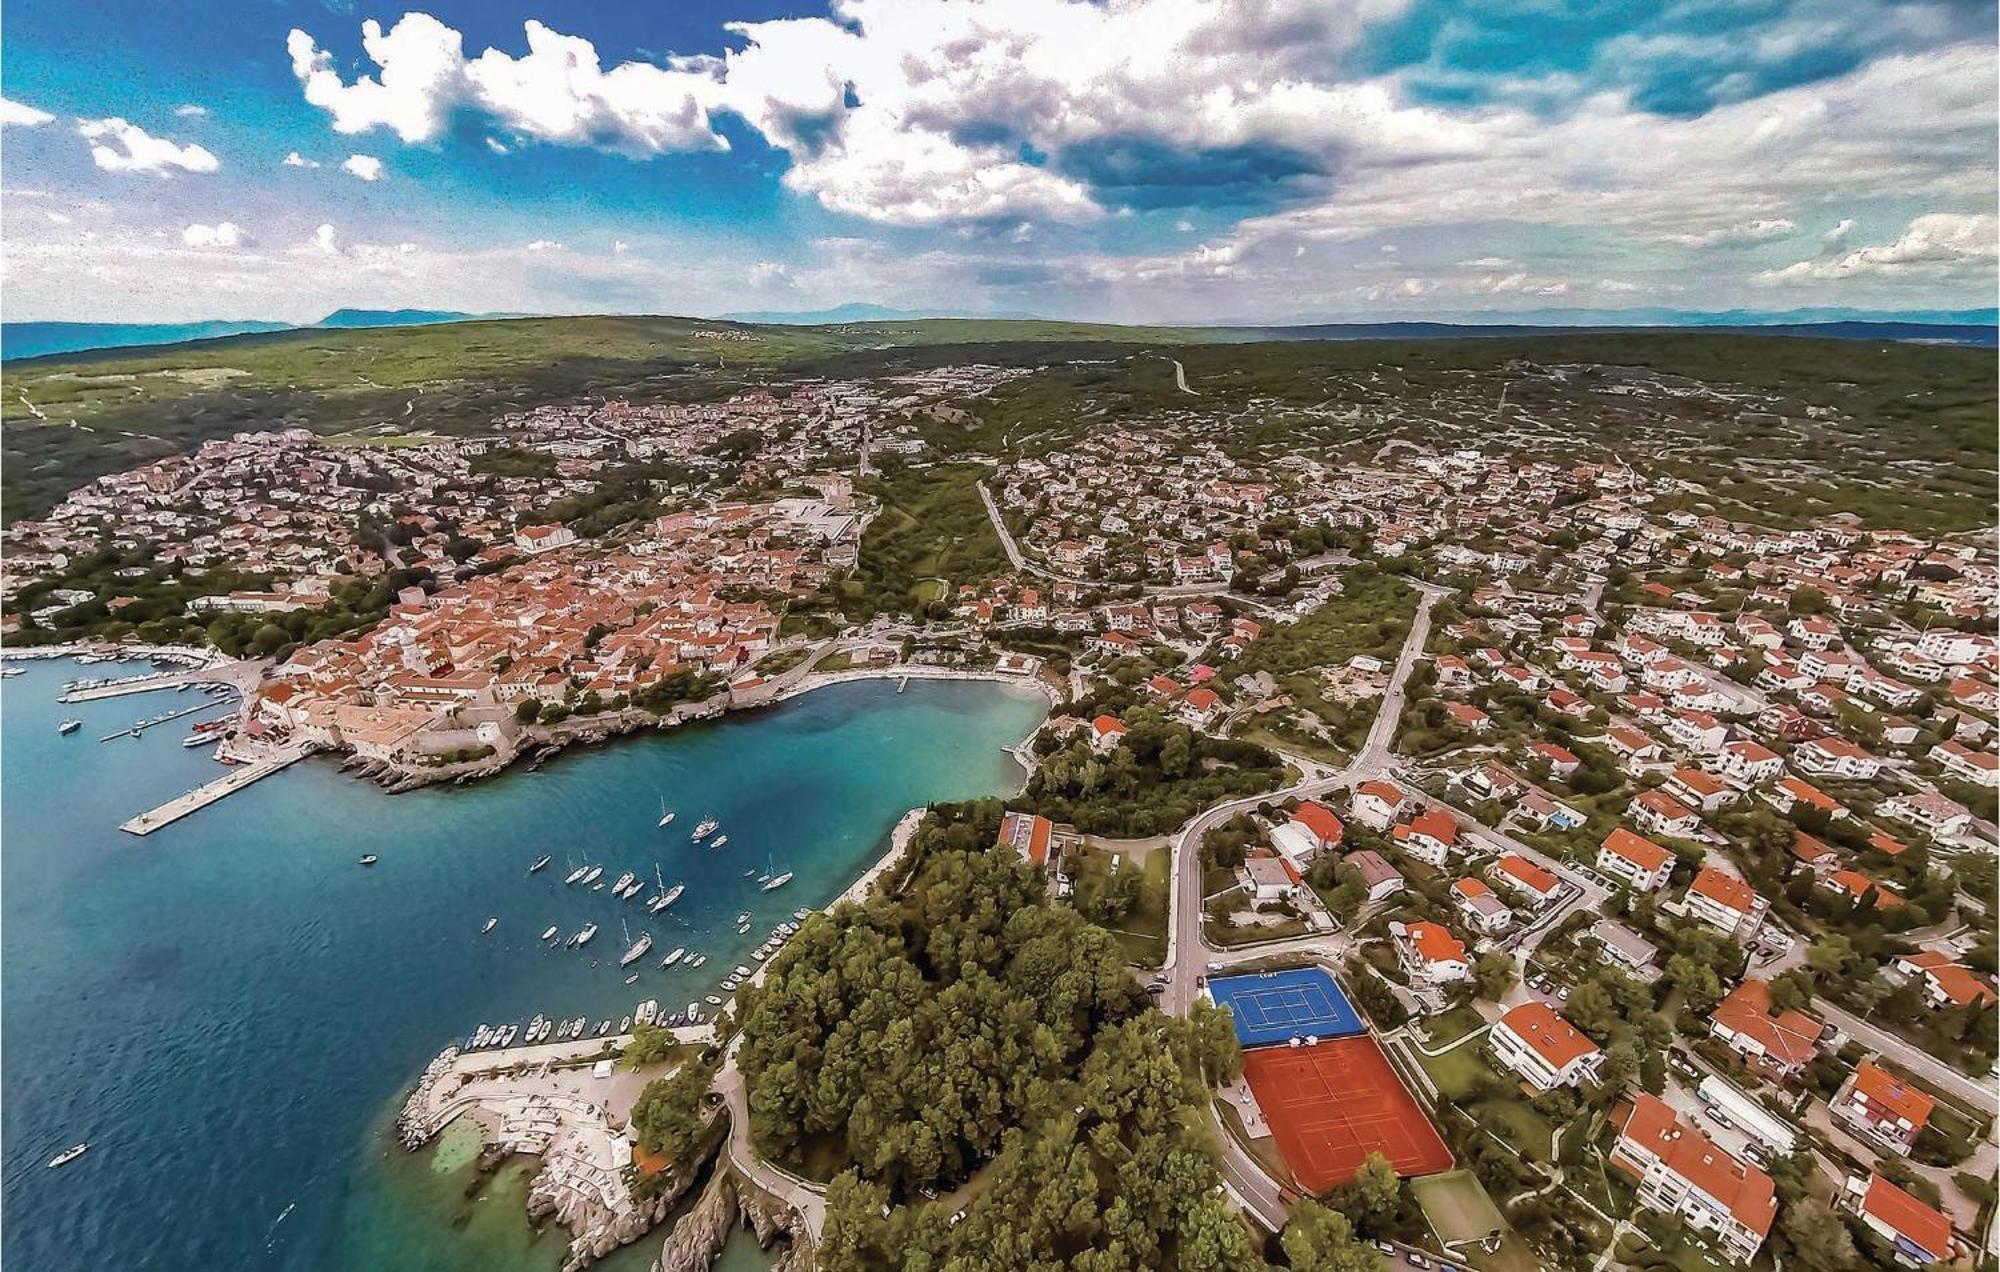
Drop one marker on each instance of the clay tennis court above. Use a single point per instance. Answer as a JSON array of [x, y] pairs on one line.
[[1333, 1104]]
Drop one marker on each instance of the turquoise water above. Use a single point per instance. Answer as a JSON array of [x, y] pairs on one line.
[[228, 1008]]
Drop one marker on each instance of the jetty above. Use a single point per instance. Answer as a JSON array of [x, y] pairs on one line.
[[204, 795], [241, 675], [144, 725]]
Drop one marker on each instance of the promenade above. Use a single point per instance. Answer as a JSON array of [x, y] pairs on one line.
[[208, 793]]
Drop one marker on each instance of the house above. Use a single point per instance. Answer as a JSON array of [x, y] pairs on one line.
[[1947, 983], [1431, 953], [1380, 805], [1627, 949], [1636, 860], [1490, 781], [1961, 761], [1835, 757], [1662, 814], [1782, 1044], [1816, 855], [1431, 837], [1919, 1234], [1857, 886], [1791, 790], [1380, 878], [546, 538], [1696, 731], [1481, 910], [1882, 1108], [1631, 746], [1201, 706], [1726, 903], [1466, 716], [1550, 813], [1812, 631], [1938, 816], [1546, 1050], [1682, 1172], [1527, 879], [1562, 761], [1319, 821], [1750, 762], [1270, 879], [1027, 834], [1700, 790], [1106, 732]]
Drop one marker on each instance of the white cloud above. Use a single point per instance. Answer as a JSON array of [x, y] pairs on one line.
[[223, 234], [367, 167], [190, 110], [1837, 235], [21, 115], [1758, 231], [119, 146], [497, 146], [1940, 243], [769, 274], [547, 245], [620, 247], [324, 241], [297, 160]]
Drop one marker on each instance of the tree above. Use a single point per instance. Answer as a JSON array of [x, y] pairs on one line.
[[1375, 1189], [1493, 975], [1701, 988], [1830, 955], [1322, 1240], [1621, 1062], [667, 1114], [1819, 1241], [1653, 1070], [1590, 1009], [527, 710]]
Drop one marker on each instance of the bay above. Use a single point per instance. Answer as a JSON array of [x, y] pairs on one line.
[[228, 1008]]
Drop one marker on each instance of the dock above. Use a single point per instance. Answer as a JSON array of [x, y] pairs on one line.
[[144, 725], [202, 796]]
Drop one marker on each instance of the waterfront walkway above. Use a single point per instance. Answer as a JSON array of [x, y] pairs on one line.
[[208, 793]]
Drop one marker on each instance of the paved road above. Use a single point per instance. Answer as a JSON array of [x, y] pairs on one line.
[[1975, 1090], [807, 1198], [1180, 378], [1188, 951]]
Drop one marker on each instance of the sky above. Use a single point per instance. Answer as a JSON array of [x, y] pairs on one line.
[[1125, 160]]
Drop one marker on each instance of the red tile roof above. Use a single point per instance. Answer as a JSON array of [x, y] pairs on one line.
[[1320, 821], [1637, 849], [1788, 1038], [1528, 874], [1434, 944], [1547, 1034], [1724, 889], [1905, 1214], [1746, 1191], [1892, 1095]]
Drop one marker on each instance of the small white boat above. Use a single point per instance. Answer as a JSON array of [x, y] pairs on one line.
[[704, 828], [624, 882], [197, 739], [694, 1013], [674, 956], [633, 979], [490, 925], [370, 859], [742, 970], [74, 1151], [638, 950], [743, 917], [718, 841], [9, 673], [539, 864], [778, 881], [647, 1012], [590, 875], [712, 1000], [577, 874], [69, 726], [550, 934], [670, 896], [666, 814], [625, 1025], [698, 960], [583, 937]]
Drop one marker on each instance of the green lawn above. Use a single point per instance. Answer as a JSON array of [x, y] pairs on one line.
[[1459, 1073], [1142, 932], [1452, 1025]]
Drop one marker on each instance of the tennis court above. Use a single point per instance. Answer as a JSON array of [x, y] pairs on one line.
[[1273, 1007], [1332, 1104]]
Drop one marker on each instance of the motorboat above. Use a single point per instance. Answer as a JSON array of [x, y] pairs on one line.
[[550, 934], [74, 1151], [539, 864], [69, 726], [370, 859], [718, 841], [490, 925], [778, 881], [674, 956], [591, 875]]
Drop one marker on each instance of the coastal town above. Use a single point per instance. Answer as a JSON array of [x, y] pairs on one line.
[[1629, 864]]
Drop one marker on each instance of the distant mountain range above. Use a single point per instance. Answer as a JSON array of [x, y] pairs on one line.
[[36, 339], [1943, 326]]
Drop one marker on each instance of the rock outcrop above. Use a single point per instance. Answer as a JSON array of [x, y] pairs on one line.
[[701, 1233]]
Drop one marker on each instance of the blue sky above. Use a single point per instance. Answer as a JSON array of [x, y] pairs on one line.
[[1137, 160]]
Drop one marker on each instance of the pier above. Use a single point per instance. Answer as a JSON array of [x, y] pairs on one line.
[[228, 784], [241, 676], [144, 725]]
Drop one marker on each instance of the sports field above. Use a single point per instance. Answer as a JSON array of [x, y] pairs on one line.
[[1273, 1007], [1332, 1104]]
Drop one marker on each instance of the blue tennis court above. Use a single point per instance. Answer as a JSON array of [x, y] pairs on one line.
[[1273, 1007]]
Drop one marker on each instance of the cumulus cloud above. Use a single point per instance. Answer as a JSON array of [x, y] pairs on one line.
[[191, 110], [297, 160], [547, 245], [15, 114], [222, 234], [1936, 244], [367, 167], [119, 146], [1834, 237], [325, 241], [1758, 231]]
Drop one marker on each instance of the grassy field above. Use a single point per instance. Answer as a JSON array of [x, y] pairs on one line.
[[1457, 1206], [1458, 1075], [1142, 932], [932, 534]]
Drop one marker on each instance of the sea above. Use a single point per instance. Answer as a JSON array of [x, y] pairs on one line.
[[231, 1009]]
